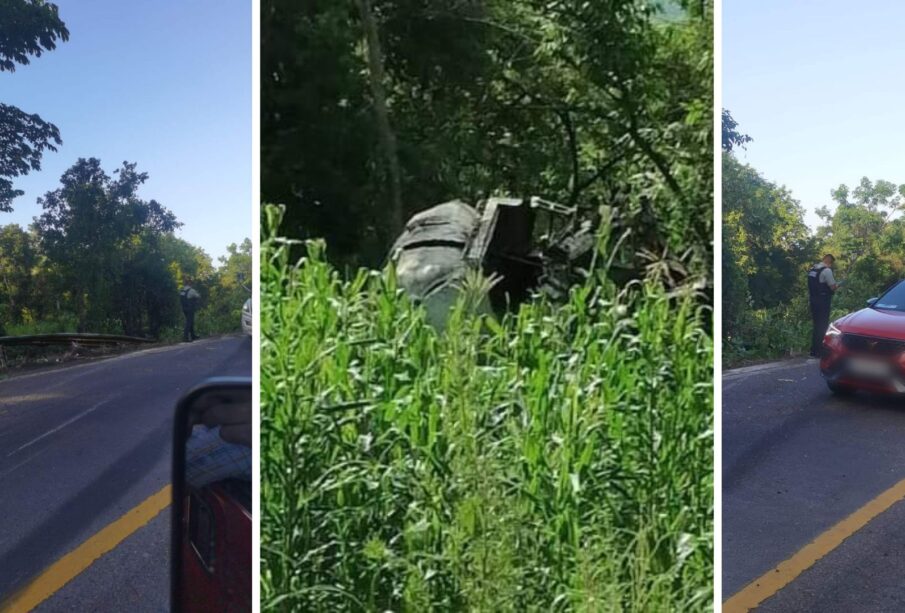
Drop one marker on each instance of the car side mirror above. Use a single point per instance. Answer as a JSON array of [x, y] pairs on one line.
[[871, 301], [210, 556]]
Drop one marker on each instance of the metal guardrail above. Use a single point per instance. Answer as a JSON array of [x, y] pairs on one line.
[[65, 338]]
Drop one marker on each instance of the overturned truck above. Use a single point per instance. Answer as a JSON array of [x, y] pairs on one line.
[[500, 238]]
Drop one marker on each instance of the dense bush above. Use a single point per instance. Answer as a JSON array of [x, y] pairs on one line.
[[584, 103], [768, 249], [559, 459], [783, 330]]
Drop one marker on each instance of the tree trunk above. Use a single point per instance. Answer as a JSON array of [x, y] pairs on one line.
[[381, 113]]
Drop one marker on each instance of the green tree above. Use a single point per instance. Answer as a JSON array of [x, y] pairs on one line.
[[140, 273], [27, 28], [105, 239], [732, 138], [18, 260], [766, 244], [227, 289], [866, 234]]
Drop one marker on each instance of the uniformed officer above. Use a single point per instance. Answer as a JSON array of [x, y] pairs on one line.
[[189, 299], [821, 285]]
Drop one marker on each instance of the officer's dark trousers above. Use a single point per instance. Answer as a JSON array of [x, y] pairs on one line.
[[189, 332], [820, 316]]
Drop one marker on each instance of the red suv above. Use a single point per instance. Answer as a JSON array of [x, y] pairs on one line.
[[866, 349]]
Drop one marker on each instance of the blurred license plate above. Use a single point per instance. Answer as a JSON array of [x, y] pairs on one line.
[[870, 368]]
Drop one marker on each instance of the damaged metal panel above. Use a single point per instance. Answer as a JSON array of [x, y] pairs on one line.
[[430, 252], [451, 223], [441, 244]]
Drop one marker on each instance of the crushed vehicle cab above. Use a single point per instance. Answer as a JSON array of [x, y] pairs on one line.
[[499, 238]]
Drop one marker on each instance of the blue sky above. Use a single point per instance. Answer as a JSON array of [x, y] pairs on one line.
[[818, 85], [166, 84]]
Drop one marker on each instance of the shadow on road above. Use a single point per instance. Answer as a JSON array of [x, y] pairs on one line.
[[832, 410], [57, 532]]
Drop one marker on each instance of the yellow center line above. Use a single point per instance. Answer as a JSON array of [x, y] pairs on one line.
[[782, 575], [75, 562]]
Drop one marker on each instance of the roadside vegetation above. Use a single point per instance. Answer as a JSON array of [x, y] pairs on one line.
[[588, 104], [555, 459], [98, 258], [112, 264], [559, 459], [768, 248]]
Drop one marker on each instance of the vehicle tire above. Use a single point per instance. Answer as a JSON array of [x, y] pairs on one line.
[[840, 389]]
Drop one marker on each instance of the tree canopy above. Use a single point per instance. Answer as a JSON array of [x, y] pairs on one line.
[[732, 138], [27, 29], [765, 242]]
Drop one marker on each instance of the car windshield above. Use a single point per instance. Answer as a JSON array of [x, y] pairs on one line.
[[893, 299]]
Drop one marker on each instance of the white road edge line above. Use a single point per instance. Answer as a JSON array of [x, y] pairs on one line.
[[760, 369], [23, 463], [60, 427]]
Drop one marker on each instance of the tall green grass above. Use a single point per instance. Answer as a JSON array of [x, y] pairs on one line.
[[557, 460]]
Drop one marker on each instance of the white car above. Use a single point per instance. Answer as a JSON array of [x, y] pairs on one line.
[[246, 317]]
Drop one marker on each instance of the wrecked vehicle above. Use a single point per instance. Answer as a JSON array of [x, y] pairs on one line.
[[442, 245]]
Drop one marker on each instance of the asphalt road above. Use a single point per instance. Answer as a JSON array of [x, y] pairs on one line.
[[82, 445], [796, 461]]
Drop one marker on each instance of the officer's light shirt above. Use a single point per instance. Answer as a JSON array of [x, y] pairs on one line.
[[826, 276]]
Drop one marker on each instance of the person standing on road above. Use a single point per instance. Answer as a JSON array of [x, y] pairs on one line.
[[189, 299], [821, 285]]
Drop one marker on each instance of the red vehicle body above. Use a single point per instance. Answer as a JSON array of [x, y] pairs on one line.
[[216, 552], [866, 349]]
